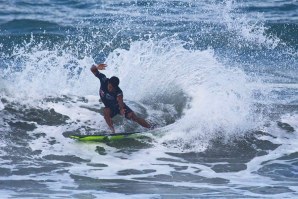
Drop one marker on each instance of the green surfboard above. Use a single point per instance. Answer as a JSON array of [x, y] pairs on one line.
[[105, 136]]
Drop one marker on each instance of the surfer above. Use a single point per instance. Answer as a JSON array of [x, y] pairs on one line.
[[112, 97]]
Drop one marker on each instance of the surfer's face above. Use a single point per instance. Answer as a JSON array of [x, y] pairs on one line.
[[110, 87]]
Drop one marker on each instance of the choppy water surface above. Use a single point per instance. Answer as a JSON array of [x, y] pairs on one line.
[[218, 78]]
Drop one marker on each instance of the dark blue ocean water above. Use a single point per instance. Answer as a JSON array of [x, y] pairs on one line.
[[218, 78]]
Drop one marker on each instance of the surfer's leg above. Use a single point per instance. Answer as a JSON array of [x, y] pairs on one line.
[[107, 116], [137, 119], [129, 114]]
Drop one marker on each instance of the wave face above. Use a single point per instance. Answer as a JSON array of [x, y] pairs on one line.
[[219, 80]]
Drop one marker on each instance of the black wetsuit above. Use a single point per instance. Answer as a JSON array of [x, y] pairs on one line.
[[110, 98]]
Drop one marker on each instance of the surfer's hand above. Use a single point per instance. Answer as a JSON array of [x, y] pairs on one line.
[[101, 66]]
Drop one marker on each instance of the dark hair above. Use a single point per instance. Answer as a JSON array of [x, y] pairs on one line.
[[114, 81]]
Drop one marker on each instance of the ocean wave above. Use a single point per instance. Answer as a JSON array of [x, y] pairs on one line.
[[23, 26]]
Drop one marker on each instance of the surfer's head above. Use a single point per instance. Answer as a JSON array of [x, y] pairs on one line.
[[113, 83]]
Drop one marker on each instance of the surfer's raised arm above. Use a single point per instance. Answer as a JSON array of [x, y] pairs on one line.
[[94, 68]]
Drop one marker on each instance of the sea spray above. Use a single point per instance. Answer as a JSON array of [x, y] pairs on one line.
[[38, 72], [219, 99]]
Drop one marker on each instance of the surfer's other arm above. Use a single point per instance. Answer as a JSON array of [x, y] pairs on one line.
[[121, 104]]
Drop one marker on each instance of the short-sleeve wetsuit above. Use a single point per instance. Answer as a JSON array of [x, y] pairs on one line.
[[110, 98]]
